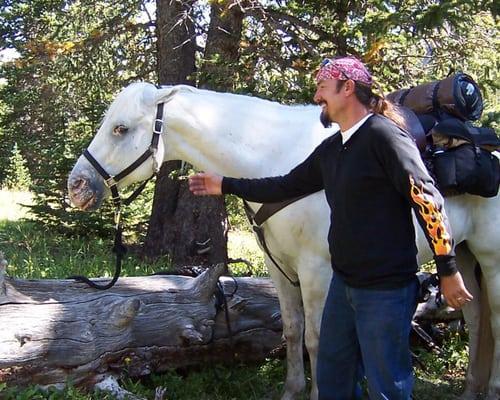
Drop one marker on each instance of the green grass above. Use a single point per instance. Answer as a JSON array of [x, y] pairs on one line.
[[34, 251], [249, 382], [242, 244]]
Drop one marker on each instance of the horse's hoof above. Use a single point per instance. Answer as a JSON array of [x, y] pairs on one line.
[[493, 395], [468, 395], [291, 395]]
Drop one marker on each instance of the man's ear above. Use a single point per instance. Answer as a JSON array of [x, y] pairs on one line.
[[349, 87]]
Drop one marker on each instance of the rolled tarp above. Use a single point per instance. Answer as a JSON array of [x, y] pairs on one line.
[[458, 95]]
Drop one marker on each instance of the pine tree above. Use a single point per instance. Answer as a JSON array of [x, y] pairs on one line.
[[18, 175]]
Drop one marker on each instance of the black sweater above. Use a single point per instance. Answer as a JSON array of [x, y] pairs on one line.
[[371, 182]]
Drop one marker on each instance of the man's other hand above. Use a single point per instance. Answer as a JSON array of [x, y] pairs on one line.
[[454, 290]]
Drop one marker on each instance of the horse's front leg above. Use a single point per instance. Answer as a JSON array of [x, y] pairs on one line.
[[292, 317], [315, 277]]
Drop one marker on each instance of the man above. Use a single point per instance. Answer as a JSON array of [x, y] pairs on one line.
[[373, 176]]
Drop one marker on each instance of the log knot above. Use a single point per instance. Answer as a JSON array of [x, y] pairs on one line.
[[22, 339], [124, 312], [204, 285], [192, 335]]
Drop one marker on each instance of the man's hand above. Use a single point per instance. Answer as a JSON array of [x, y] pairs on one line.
[[205, 183], [454, 290]]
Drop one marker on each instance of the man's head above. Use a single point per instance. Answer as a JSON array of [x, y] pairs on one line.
[[341, 81], [344, 86]]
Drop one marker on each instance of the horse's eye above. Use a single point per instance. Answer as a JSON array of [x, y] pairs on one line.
[[119, 130]]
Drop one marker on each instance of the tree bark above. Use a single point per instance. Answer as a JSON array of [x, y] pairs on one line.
[[55, 331], [175, 46], [223, 45], [190, 230]]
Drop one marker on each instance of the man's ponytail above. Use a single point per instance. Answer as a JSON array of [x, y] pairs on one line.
[[379, 105]]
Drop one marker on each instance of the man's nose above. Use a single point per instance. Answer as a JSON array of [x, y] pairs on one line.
[[316, 97]]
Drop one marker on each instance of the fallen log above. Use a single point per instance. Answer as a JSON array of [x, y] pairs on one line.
[[55, 331]]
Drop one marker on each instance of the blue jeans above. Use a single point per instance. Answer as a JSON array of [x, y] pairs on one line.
[[365, 332]]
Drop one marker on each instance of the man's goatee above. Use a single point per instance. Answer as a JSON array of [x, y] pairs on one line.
[[325, 119]]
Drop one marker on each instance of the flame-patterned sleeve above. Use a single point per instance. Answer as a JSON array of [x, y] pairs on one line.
[[399, 155]]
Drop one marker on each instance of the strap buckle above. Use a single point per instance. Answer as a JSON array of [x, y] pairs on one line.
[[158, 126], [110, 182]]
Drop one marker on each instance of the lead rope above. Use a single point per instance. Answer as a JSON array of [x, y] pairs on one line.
[[221, 303], [119, 247]]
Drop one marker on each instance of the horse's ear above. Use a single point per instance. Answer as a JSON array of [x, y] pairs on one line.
[[165, 93]]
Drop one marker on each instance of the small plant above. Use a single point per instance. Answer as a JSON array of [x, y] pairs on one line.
[[18, 176]]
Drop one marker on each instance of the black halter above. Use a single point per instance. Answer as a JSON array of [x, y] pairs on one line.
[[112, 183]]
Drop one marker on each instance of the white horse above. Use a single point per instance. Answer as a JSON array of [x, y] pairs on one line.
[[242, 136]]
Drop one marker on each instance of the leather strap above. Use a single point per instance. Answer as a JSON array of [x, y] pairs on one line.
[[267, 210], [112, 183]]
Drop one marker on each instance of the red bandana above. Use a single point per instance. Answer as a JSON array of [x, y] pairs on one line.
[[343, 69]]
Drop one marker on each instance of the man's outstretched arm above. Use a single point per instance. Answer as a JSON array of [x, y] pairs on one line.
[[303, 179]]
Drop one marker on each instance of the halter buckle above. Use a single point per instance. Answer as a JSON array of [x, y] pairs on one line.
[[158, 126], [110, 182]]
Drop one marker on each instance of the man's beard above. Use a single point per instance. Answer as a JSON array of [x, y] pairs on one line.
[[325, 119]]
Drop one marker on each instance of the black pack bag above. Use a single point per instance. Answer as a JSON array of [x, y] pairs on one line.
[[466, 167]]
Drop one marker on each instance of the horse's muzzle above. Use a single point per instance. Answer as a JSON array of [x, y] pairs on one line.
[[85, 192]]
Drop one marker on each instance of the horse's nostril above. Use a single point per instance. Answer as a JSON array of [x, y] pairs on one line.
[[77, 184]]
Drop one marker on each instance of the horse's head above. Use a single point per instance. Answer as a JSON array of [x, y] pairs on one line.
[[124, 136]]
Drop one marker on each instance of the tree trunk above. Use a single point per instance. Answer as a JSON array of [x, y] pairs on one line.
[[176, 45], [191, 230], [223, 45], [55, 331]]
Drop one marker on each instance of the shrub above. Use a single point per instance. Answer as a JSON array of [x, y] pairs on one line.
[[18, 176]]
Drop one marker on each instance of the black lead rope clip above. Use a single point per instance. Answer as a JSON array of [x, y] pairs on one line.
[[425, 289]]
